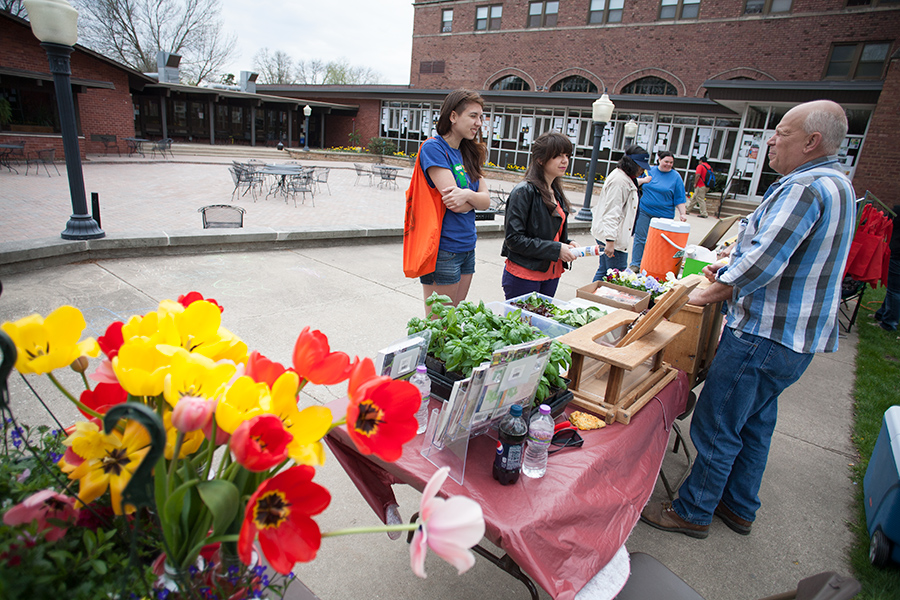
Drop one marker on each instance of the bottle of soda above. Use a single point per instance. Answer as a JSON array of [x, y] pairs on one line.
[[540, 432], [508, 461], [421, 380]]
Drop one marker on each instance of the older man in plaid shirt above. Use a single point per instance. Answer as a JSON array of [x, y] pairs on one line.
[[783, 287]]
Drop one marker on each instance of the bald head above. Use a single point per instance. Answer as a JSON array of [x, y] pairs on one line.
[[806, 132]]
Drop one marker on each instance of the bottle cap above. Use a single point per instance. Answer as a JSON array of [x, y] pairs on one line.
[[516, 410], [421, 369], [545, 410]]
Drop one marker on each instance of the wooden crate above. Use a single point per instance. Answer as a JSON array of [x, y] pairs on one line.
[[589, 292], [693, 350], [615, 382]]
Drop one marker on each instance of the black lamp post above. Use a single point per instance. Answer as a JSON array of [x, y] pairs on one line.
[[55, 24], [306, 112], [602, 110]]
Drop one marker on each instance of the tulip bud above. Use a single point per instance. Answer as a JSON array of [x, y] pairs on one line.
[[80, 364], [192, 413]]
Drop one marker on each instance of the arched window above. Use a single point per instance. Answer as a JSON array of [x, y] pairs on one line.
[[574, 83], [650, 86], [511, 82]]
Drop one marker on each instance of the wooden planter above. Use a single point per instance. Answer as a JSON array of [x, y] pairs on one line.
[[694, 349]]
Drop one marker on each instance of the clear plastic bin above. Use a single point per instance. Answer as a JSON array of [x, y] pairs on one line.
[[548, 327]]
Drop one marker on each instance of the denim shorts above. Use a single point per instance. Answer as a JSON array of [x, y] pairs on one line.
[[450, 267]]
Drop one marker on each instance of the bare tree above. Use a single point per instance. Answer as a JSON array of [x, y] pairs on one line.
[[274, 68], [311, 71], [132, 31], [341, 72], [14, 7]]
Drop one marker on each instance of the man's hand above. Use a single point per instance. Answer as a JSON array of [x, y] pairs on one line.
[[710, 271], [610, 249]]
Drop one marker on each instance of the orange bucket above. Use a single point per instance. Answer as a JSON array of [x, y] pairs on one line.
[[664, 249]]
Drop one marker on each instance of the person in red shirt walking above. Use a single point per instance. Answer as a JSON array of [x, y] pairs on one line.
[[701, 186]]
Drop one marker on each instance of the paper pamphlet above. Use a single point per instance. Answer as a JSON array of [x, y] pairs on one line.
[[400, 359]]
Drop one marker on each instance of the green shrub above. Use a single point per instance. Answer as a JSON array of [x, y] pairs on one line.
[[382, 146]]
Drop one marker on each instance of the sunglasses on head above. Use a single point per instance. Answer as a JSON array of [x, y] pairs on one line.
[[565, 438]]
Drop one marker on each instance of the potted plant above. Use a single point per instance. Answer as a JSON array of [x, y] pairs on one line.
[[199, 445]]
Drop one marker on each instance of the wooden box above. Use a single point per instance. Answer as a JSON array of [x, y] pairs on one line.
[[616, 382], [607, 293], [693, 350]]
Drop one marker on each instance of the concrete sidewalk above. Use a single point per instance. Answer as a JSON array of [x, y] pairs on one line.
[[357, 295]]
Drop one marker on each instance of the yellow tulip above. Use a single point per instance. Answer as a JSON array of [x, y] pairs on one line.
[[192, 374], [44, 345], [140, 367], [241, 402]]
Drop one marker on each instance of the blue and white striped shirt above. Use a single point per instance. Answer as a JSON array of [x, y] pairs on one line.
[[790, 256]]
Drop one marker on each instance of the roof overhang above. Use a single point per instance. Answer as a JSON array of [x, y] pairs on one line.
[[623, 102], [38, 76], [214, 94], [736, 94]]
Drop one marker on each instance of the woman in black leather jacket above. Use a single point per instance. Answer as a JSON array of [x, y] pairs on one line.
[[537, 246]]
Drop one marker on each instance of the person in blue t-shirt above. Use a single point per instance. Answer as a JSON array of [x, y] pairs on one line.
[[662, 196], [452, 162]]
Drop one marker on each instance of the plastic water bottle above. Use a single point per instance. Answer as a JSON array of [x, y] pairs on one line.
[[421, 380], [508, 460], [540, 432]]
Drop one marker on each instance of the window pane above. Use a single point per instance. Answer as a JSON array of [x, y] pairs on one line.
[[496, 12], [481, 12], [598, 4], [779, 6], [535, 8], [838, 69], [552, 8], [550, 20], [843, 53], [876, 52], [869, 70], [615, 16], [754, 7], [667, 12], [690, 10], [616, 4], [596, 16]]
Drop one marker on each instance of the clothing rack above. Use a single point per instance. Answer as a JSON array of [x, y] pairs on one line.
[[867, 198]]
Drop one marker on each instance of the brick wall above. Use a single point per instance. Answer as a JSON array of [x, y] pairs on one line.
[[100, 111], [685, 53], [879, 159], [366, 122]]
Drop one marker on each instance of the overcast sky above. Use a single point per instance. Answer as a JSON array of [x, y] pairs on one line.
[[368, 33]]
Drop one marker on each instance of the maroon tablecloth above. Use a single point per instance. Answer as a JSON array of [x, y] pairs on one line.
[[560, 529]]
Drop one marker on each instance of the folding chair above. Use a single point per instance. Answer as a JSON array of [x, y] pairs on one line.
[[650, 579], [851, 289], [222, 216], [682, 443]]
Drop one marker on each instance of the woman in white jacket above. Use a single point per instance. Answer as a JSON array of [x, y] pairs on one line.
[[614, 214]]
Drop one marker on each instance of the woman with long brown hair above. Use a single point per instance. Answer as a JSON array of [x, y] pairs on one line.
[[537, 246], [452, 162]]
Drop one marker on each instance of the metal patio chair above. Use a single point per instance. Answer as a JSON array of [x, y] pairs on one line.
[[321, 176], [362, 171], [42, 157], [216, 216], [162, 146], [302, 184]]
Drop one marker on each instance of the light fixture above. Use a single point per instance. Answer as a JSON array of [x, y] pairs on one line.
[[307, 110], [630, 129], [602, 110], [55, 24]]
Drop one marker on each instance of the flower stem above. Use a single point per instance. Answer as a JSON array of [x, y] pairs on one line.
[[75, 401], [375, 529], [87, 385], [179, 439], [336, 424]]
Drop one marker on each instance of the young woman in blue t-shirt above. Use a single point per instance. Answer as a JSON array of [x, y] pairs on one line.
[[452, 162]]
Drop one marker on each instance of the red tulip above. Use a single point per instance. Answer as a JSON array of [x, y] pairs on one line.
[[112, 340], [260, 443], [381, 414], [187, 299], [279, 511], [102, 397], [46, 508], [314, 361], [262, 370]]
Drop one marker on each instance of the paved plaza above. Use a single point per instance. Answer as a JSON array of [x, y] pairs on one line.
[[357, 295]]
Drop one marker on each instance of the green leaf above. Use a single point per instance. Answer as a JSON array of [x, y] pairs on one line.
[[223, 500], [99, 566]]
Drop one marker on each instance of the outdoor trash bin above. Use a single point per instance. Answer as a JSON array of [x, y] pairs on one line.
[[881, 487]]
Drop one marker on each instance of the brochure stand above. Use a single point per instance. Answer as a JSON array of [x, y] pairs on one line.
[[478, 403]]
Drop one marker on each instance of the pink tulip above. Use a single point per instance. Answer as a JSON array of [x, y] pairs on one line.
[[192, 413], [41, 507], [449, 527], [104, 373]]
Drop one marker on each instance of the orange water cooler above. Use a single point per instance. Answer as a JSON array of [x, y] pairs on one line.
[[666, 240]]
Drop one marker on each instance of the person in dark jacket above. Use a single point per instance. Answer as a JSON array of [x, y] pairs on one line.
[[537, 246]]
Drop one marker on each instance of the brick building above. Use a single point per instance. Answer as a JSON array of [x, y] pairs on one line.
[[664, 62]]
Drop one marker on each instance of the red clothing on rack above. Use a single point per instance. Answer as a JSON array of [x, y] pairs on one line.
[[869, 251]]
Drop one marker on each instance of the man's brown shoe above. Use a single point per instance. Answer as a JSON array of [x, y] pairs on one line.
[[662, 516], [734, 522]]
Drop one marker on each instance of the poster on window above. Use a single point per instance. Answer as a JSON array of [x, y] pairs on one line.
[[662, 138]]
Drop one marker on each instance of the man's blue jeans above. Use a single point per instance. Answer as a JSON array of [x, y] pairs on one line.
[[641, 227], [732, 425], [618, 261], [889, 313]]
